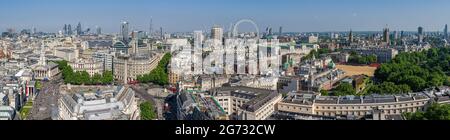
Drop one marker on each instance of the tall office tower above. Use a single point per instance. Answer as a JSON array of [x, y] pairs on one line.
[[270, 31], [69, 29], [98, 30], [34, 30], [420, 34], [65, 32], [198, 38], [446, 32], [124, 31], [216, 33], [151, 28], [161, 32], [350, 36], [267, 33], [280, 31], [79, 29], [395, 34], [386, 35], [402, 34]]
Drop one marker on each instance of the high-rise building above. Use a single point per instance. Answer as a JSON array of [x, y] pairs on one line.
[[65, 32], [280, 31], [98, 31], [350, 36], [270, 31], [198, 38], [69, 29], [420, 34], [395, 35], [124, 31], [386, 35], [402, 34], [420, 30], [150, 32], [79, 29], [217, 33], [446, 31], [161, 32], [138, 34]]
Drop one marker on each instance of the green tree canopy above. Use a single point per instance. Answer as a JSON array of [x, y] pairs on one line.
[[82, 77], [418, 70], [159, 75], [344, 89], [147, 111], [434, 112]]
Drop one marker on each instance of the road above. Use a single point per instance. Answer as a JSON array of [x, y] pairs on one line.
[[171, 113], [46, 101], [143, 94]]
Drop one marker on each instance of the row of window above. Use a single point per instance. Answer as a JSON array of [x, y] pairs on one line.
[[265, 112], [361, 113], [369, 107]]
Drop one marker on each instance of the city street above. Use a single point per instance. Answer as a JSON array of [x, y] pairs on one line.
[[155, 95], [46, 101], [143, 94], [171, 113]]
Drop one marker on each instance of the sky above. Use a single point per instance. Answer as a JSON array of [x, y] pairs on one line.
[[189, 15]]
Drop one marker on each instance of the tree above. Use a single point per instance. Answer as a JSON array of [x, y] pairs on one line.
[[85, 78], [97, 79], [317, 53], [415, 82], [107, 77], [344, 89], [38, 85], [324, 92], [389, 88], [82, 77], [159, 75], [147, 111], [434, 112], [358, 59], [418, 70]]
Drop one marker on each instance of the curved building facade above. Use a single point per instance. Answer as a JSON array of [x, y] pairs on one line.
[[127, 67], [359, 107]]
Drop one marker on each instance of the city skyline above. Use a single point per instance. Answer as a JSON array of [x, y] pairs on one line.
[[293, 16]]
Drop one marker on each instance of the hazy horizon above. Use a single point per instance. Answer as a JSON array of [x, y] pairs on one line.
[[189, 15]]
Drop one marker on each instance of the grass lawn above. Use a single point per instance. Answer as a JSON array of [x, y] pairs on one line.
[[26, 110]]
